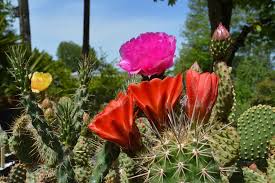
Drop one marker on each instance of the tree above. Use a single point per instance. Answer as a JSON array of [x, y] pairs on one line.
[[7, 39], [25, 29], [196, 33], [69, 53], [86, 28]]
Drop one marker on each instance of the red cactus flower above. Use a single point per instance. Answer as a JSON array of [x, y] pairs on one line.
[[221, 33], [157, 97], [116, 123], [201, 91]]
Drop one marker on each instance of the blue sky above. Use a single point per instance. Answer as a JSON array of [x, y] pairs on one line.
[[112, 22]]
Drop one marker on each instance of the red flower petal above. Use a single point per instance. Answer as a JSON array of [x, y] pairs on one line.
[[156, 97], [116, 123], [201, 91]]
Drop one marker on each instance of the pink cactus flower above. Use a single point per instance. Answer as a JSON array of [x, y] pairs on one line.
[[148, 54], [221, 33]]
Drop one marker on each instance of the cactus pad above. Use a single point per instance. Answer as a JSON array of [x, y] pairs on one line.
[[225, 142], [256, 127], [225, 98]]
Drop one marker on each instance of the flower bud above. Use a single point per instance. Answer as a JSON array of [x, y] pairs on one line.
[[221, 33]]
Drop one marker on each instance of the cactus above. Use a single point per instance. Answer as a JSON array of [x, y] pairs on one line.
[[41, 138], [3, 179], [225, 142], [256, 128], [218, 49], [42, 175], [225, 98], [186, 159], [18, 173], [127, 168], [83, 151], [251, 176], [82, 174], [107, 155], [69, 129], [22, 141], [28, 145], [82, 155]]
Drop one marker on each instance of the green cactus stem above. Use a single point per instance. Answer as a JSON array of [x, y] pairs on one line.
[[225, 98], [225, 143], [105, 158], [218, 48]]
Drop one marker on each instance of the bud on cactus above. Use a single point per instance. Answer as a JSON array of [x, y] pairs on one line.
[[221, 33], [46, 103], [85, 117], [220, 43], [196, 67]]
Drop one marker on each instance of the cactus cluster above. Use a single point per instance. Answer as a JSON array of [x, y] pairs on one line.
[[150, 135], [48, 134]]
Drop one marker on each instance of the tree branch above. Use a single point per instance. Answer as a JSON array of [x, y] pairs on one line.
[[239, 41]]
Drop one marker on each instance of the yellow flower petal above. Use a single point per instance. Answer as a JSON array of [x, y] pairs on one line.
[[40, 81]]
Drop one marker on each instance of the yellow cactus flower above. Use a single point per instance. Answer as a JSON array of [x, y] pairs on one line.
[[40, 81]]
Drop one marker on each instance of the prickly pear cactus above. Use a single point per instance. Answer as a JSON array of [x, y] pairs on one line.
[[256, 127], [271, 161], [225, 99], [18, 173], [225, 142]]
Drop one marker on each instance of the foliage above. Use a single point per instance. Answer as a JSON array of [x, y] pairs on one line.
[[252, 64], [7, 38], [69, 53], [264, 93], [106, 81], [196, 34]]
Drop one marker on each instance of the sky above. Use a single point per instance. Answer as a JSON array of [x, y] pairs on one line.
[[112, 22]]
